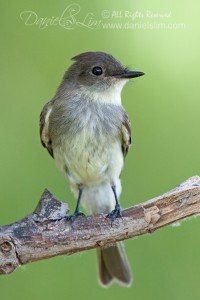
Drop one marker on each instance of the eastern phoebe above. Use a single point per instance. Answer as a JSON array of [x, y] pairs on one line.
[[87, 131]]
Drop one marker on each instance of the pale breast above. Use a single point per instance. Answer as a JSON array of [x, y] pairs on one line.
[[88, 160], [87, 142]]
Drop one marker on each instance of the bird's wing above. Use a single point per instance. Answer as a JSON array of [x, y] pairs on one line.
[[126, 135], [44, 126]]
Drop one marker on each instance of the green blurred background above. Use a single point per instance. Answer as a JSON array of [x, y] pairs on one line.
[[163, 106]]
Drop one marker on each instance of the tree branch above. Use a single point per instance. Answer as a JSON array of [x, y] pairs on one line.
[[46, 232]]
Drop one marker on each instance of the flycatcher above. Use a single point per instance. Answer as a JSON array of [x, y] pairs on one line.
[[87, 131]]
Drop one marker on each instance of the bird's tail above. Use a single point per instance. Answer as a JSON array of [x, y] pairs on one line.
[[112, 261], [113, 265]]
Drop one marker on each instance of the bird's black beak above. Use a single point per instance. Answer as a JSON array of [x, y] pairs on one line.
[[129, 74]]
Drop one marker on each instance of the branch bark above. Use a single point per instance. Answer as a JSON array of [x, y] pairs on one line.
[[46, 232]]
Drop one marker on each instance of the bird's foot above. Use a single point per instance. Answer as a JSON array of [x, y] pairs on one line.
[[74, 216], [116, 213]]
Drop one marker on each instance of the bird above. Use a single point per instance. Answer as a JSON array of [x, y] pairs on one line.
[[85, 128]]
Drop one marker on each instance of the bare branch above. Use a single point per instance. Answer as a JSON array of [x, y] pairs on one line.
[[46, 232]]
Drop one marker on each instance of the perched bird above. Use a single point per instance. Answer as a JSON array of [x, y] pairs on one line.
[[87, 131]]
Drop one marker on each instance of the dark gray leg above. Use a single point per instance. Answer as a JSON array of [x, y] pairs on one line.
[[117, 212], [77, 211]]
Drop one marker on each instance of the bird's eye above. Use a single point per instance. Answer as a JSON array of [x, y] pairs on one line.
[[97, 71]]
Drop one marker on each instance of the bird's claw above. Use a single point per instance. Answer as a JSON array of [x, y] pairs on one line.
[[116, 213], [74, 216]]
